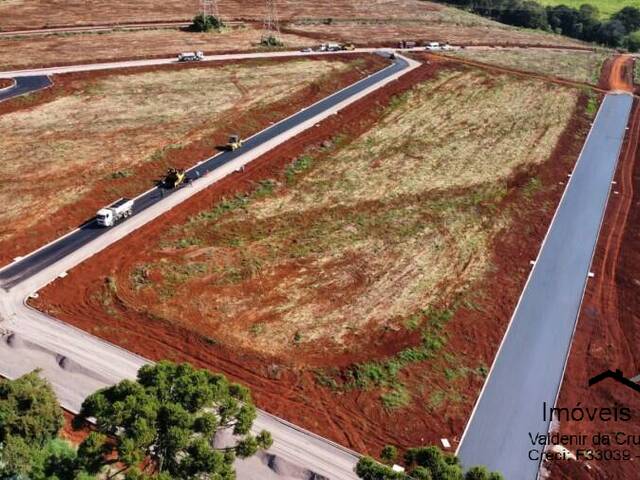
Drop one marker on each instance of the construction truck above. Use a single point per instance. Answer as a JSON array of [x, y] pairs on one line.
[[234, 142], [190, 56], [348, 46], [174, 178], [120, 209]]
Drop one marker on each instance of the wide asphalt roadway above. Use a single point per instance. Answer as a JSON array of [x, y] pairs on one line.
[[42, 258], [530, 363], [25, 85]]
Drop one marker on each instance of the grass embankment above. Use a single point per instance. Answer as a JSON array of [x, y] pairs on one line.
[[114, 135], [387, 232], [572, 65], [605, 7]]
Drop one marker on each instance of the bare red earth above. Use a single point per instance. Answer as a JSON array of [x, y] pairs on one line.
[[6, 83], [608, 330], [285, 387], [244, 122]]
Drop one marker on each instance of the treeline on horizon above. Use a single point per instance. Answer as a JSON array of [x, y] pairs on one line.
[[620, 31]]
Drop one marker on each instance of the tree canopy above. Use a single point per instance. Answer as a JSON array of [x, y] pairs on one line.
[[582, 23], [30, 419], [166, 423], [206, 23], [422, 463]]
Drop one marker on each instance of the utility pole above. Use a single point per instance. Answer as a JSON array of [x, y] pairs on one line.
[[271, 28]]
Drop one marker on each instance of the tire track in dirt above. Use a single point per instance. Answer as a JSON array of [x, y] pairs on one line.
[[606, 293]]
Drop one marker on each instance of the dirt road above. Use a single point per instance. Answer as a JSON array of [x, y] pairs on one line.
[[620, 74]]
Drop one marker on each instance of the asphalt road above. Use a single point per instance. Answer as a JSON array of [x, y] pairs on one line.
[[529, 367], [171, 61], [20, 270], [25, 85], [77, 363]]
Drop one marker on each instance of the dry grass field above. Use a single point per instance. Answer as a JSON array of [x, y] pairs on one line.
[[83, 48], [17, 14], [110, 137], [357, 238], [450, 25], [571, 65]]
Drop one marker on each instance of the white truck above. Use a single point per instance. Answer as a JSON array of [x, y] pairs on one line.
[[190, 56], [330, 47], [433, 46], [109, 216]]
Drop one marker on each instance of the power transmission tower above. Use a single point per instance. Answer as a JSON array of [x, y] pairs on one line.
[[271, 28], [210, 8]]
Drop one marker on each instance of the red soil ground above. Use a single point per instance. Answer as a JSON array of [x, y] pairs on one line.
[[617, 74], [244, 122], [608, 329], [6, 82], [353, 418]]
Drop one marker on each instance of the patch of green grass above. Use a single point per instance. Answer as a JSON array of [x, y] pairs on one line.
[[140, 277], [532, 186], [606, 8], [188, 242], [385, 373], [257, 329], [592, 106], [436, 400], [298, 166], [121, 174], [396, 398], [326, 380]]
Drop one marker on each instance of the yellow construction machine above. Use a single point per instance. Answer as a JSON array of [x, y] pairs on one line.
[[174, 178], [234, 143]]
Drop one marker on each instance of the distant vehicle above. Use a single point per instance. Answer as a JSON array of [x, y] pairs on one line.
[[190, 56], [406, 44], [433, 46], [174, 178], [109, 216], [330, 47], [234, 142], [392, 56], [447, 47], [305, 50], [348, 46]]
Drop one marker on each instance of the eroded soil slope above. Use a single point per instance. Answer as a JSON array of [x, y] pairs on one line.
[[95, 137], [359, 278]]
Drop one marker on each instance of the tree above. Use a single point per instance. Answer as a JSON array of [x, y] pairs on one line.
[[629, 17], [206, 23], [166, 422], [389, 454], [611, 33], [632, 41], [29, 410], [423, 463]]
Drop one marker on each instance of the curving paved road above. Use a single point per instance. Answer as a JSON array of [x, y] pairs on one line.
[[529, 367], [25, 85], [77, 363], [35, 262]]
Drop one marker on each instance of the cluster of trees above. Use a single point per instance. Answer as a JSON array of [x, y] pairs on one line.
[[206, 23], [583, 23], [423, 463], [162, 426]]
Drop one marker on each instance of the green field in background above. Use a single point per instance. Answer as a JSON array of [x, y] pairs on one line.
[[606, 7]]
